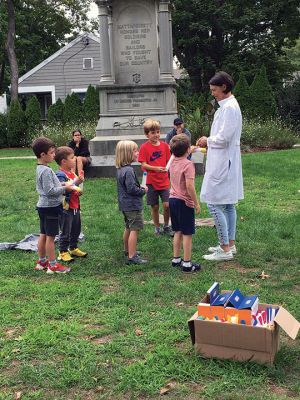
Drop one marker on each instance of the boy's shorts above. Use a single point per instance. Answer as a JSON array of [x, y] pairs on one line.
[[153, 196], [182, 217], [49, 220], [134, 220]]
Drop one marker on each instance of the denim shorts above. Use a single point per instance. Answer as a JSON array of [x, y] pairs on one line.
[[153, 196], [182, 217], [49, 220], [134, 220]]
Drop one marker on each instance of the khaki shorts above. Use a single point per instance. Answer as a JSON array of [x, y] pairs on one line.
[[134, 220]]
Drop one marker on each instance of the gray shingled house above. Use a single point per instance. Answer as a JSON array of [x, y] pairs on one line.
[[71, 69]]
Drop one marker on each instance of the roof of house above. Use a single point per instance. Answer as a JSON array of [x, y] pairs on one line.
[[58, 53]]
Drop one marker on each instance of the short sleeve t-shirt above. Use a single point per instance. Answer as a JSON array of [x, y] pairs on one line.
[[157, 156], [74, 198], [181, 169]]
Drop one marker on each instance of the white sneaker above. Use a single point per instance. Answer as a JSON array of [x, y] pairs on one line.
[[219, 255], [214, 249]]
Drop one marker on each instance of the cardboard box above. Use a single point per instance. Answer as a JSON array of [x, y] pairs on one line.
[[241, 342]]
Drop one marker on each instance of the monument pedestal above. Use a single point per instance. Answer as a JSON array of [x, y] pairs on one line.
[[136, 81]]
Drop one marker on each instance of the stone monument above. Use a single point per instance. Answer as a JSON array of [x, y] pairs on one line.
[[136, 79]]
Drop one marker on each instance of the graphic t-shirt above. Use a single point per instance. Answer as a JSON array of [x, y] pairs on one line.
[[74, 198], [157, 156]]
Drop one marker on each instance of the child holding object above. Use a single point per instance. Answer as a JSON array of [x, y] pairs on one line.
[[49, 206], [70, 221], [183, 203], [154, 156], [130, 199]]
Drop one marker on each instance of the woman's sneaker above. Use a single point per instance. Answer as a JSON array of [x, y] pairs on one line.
[[58, 269], [214, 249], [41, 266], [136, 260], [192, 268], [219, 255]]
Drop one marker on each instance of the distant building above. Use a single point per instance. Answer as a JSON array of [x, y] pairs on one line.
[[71, 69]]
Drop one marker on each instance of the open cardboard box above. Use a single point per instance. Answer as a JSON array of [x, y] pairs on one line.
[[241, 342]]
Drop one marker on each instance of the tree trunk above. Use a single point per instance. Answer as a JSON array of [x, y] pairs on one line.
[[10, 49], [2, 74]]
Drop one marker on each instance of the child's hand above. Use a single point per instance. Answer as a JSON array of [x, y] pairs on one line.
[[78, 180], [161, 169], [69, 186], [197, 208], [146, 188]]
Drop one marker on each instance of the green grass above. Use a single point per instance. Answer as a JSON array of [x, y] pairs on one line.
[[108, 331], [15, 152]]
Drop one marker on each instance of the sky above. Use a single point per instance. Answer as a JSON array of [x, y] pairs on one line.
[[93, 13]]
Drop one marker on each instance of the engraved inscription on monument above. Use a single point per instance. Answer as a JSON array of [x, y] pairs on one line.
[[138, 101], [136, 45]]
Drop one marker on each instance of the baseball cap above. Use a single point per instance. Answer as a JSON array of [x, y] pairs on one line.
[[178, 121]]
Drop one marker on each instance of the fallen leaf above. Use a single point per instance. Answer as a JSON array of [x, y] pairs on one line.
[[242, 219], [139, 332], [179, 304], [18, 395], [169, 386], [263, 275]]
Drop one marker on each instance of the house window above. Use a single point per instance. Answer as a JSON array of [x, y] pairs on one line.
[[81, 93], [88, 63]]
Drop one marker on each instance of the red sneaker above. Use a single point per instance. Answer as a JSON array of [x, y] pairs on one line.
[[58, 268], [40, 266]]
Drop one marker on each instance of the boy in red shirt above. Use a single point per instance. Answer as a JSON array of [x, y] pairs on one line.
[[70, 223], [154, 156]]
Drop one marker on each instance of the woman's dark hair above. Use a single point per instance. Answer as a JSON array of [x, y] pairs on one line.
[[76, 130], [222, 78]]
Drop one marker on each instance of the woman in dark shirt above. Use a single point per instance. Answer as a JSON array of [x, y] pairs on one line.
[[80, 145]]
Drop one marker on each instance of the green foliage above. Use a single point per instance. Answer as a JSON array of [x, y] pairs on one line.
[[16, 125], [234, 36], [61, 133], [33, 116], [91, 106], [267, 134], [262, 102], [197, 124], [73, 109], [3, 130], [288, 99], [241, 92], [293, 54], [56, 112]]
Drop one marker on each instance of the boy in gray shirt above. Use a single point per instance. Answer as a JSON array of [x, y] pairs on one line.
[[49, 206]]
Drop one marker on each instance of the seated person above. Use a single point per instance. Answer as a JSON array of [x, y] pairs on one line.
[[178, 130], [80, 145]]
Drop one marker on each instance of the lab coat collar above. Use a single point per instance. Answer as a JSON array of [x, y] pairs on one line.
[[224, 101]]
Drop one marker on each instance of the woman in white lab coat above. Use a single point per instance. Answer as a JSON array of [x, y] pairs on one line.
[[222, 186]]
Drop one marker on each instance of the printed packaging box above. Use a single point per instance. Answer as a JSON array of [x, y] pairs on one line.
[[213, 339]]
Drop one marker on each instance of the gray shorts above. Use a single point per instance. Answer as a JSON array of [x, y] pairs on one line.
[[153, 196], [134, 220]]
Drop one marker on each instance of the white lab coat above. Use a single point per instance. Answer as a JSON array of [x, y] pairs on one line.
[[223, 179]]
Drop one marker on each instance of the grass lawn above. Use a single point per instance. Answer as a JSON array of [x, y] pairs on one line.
[[15, 152], [108, 331]]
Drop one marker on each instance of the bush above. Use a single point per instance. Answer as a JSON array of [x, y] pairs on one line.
[[16, 125], [61, 133], [270, 134], [3, 130], [197, 123], [261, 102], [73, 109], [33, 116], [289, 104], [56, 112], [91, 106]]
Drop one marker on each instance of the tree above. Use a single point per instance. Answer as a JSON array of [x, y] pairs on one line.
[[91, 107], [241, 92], [33, 116], [16, 125], [73, 109], [235, 36], [10, 49], [41, 29], [56, 112], [261, 97]]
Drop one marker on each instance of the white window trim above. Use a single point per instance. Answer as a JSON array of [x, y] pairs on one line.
[[92, 62], [80, 90], [38, 89]]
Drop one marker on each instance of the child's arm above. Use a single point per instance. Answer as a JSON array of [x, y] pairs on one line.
[[153, 167], [131, 185], [190, 187]]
